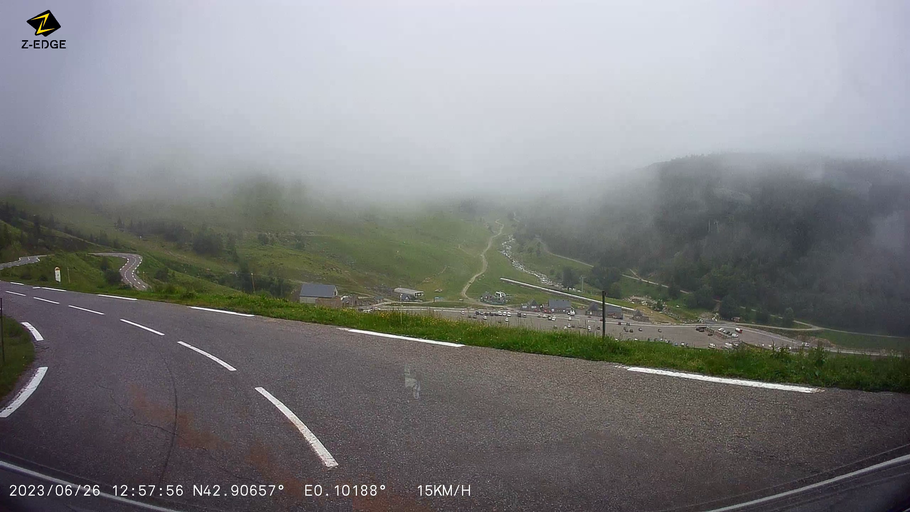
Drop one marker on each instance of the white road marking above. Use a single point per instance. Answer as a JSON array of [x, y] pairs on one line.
[[311, 438], [84, 309], [25, 393], [17, 284], [46, 300], [816, 485], [16, 293], [220, 311], [397, 337], [53, 480], [35, 333], [54, 289], [142, 327], [210, 356], [115, 297], [721, 380]]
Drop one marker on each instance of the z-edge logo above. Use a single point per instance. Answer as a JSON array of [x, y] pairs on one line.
[[44, 24]]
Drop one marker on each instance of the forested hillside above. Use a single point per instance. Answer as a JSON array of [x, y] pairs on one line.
[[828, 238]]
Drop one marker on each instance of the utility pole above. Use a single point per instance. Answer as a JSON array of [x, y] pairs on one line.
[[252, 282], [582, 284], [603, 314]]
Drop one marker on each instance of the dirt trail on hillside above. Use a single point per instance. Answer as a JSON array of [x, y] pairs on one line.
[[483, 267]]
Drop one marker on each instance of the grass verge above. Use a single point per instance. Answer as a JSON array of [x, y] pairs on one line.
[[19, 355], [870, 342]]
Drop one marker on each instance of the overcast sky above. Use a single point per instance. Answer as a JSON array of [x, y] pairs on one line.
[[444, 94]]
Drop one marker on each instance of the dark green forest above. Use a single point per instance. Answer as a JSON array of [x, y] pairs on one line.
[[827, 238]]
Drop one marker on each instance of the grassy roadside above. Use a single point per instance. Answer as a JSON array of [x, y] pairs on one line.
[[849, 340], [816, 367], [863, 341], [19, 354]]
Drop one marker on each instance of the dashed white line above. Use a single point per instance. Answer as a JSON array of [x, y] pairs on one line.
[[17, 284], [46, 300], [210, 356], [53, 480], [311, 438], [397, 337], [25, 393], [221, 311], [86, 310], [16, 293], [115, 297], [35, 333], [54, 289], [142, 327], [721, 380]]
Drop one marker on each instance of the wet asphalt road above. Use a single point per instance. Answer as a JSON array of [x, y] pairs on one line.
[[120, 405]]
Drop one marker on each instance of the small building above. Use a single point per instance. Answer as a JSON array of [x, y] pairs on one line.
[[408, 295], [320, 294], [352, 301], [531, 306], [559, 306], [611, 311], [639, 317], [614, 312]]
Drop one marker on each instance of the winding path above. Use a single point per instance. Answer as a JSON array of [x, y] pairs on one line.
[[128, 270], [483, 267]]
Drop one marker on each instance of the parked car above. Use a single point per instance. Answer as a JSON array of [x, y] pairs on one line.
[[701, 328], [739, 330]]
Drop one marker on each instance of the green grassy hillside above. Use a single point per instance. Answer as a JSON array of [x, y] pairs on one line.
[[434, 249]]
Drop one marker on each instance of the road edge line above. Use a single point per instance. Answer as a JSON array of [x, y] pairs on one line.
[[25, 393], [399, 337], [31, 329], [221, 311], [724, 380], [115, 297]]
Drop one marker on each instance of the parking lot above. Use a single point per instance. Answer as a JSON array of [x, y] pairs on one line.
[[623, 330]]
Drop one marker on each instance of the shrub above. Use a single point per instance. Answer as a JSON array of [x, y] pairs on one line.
[[112, 276]]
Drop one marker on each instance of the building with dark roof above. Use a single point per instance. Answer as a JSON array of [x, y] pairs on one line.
[[315, 293], [559, 306]]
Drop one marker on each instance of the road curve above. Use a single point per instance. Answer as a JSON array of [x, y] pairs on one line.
[[483, 266], [124, 402], [128, 270], [24, 260]]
